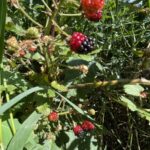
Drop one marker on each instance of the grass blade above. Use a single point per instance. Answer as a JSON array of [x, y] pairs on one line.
[[24, 132], [3, 8], [16, 99]]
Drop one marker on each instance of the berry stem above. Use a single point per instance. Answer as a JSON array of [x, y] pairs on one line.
[[54, 13], [112, 83], [55, 4], [48, 8], [64, 113], [59, 29], [70, 15]]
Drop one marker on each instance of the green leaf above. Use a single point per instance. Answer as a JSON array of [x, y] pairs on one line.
[[58, 86], [128, 103], [51, 93], [2, 88], [72, 142], [44, 109], [141, 112], [11, 89], [71, 93], [20, 138], [134, 90], [32, 143], [3, 9], [77, 57], [7, 132], [18, 98], [144, 114], [37, 56], [50, 145]]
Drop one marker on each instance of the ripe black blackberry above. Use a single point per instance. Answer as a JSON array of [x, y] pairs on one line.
[[87, 46], [81, 44]]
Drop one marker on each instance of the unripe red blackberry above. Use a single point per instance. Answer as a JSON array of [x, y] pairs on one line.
[[81, 44], [78, 131], [87, 126], [21, 53], [32, 48], [94, 16], [92, 5], [53, 116]]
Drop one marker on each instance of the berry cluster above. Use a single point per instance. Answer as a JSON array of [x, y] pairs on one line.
[[86, 126], [81, 44], [92, 9]]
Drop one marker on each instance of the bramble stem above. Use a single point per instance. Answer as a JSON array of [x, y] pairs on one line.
[[64, 113], [70, 15], [30, 18], [48, 8], [52, 18], [59, 29], [112, 82]]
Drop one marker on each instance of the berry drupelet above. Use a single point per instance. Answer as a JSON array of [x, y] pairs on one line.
[[81, 44], [92, 5], [78, 131], [94, 16], [92, 9], [87, 126], [53, 116]]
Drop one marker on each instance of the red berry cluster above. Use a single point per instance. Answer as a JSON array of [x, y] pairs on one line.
[[80, 43], [84, 127], [53, 116], [92, 9]]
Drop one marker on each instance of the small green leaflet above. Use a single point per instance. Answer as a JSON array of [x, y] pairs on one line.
[[134, 90]]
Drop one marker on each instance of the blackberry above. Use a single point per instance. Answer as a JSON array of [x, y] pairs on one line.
[[94, 16], [78, 131], [92, 5], [81, 44], [87, 46]]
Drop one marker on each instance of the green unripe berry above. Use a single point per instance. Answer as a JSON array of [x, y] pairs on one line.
[[32, 33]]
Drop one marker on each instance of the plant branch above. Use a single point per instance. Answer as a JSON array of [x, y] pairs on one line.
[[48, 8], [55, 12], [70, 15], [30, 18], [60, 30], [112, 83]]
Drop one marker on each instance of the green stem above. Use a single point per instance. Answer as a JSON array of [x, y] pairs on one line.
[[55, 4], [70, 15], [48, 8], [112, 83], [64, 113], [30, 18], [10, 114], [59, 29], [50, 23]]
